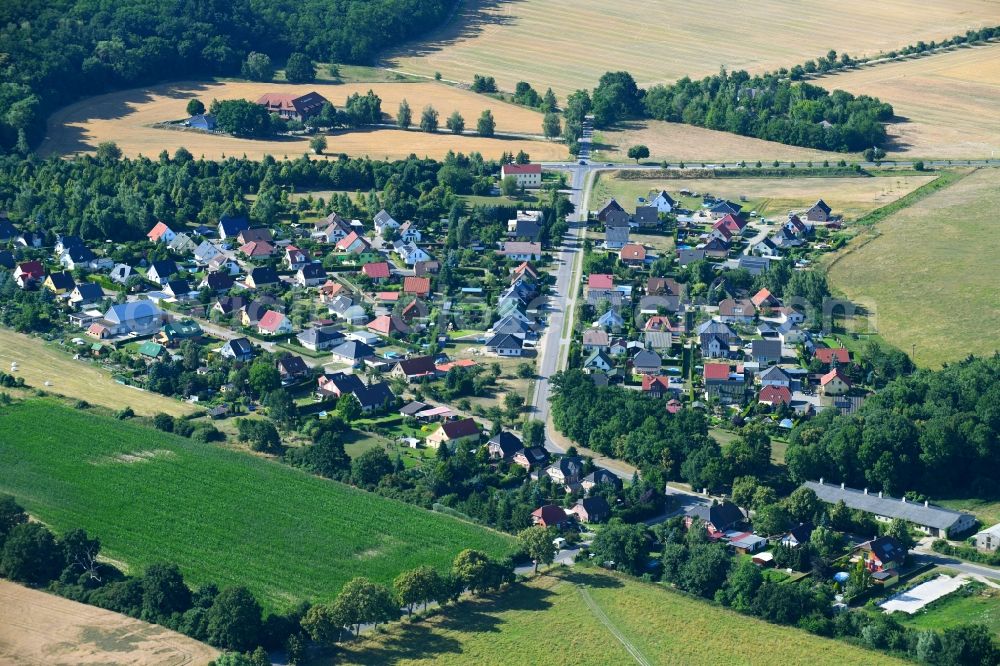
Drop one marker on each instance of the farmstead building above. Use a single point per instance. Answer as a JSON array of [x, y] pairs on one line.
[[527, 175], [293, 107]]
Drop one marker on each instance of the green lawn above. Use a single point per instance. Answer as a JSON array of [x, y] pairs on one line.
[[927, 274], [987, 511], [975, 603], [547, 621], [223, 516]]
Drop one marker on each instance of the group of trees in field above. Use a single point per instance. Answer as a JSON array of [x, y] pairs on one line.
[[928, 432], [231, 618], [58, 51]]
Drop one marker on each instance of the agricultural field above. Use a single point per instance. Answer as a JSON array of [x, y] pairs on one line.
[[922, 272], [41, 628], [987, 511], [569, 44], [770, 197], [676, 142], [949, 102], [128, 118], [39, 362], [663, 627], [222, 516]]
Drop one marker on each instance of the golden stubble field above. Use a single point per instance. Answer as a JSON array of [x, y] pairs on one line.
[[127, 117], [568, 44], [929, 274], [675, 142], [41, 628], [39, 362], [951, 101]]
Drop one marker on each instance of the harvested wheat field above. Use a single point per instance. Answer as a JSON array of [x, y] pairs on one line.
[[675, 142], [39, 362], [568, 44], [771, 197], [40, 628], [927, 274], [127, 118], [950, 101]]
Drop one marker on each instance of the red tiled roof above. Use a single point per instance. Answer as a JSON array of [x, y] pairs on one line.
[[773, 394], [760, 297], [650, 381], [257, 249], [461, 428], [376, 269], [831, 354], [834, 374], [271, 320], [32, 269], [550, 514], [601, 281], [716, 371], [521, 168], [157, 231], [417, 285], [632, 252]]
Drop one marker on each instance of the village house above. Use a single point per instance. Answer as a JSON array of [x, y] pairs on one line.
[[179, 290], [59, 283], [257, 249], [160, 233], [453, 433], [504, 446], [775, 395], [632, 254], [331, 229], [775, 376], [646, 362], [765, 352], [720, 209], [598, 360], [231, 227], [310, 275], [352, 243], [505, 345], [182, 244], [261, 276], [376, 271], [337, 384], [834, 383], [409, 233], [818, 212], [86, 294], [414, 369], [663, 202], [134, 317], [883, 554], [388, 325], [521, 251], [717, 518], [409, 253], [722, 383], [832, 356], [160, 271], [591, 509], [595, 338], [566, 471], [292, 369], [601, 477], [238, 349], [988, 540], [320, 338], [733, 311], [384, 222], [797, 536], [526, 175], [293, 107], [177, 331], [353, 352], [715, 248], [274, 323], [615, 238], [655, 386], [531, 457], [205, 252], [549, 515], [417, 286], [295, 258], [612, 208]]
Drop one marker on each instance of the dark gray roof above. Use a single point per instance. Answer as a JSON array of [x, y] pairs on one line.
[[505, 341], [264, 275], [768, 348], [319, 335], [508, 443], [353, 350], [374, 395], [646, 215], [722, 515], [889, 507], [411, 408]]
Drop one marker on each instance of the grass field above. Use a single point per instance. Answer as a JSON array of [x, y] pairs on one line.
[[850, 197], [222, 516], [547, 621], [568, 44], [987, 511], [951, 101], [127, 118], [39, 362], [927, 273], [675, 142], [41, 628], [975, 603]]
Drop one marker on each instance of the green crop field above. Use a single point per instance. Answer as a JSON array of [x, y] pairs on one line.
[[549, 621], [925, 272], [221, 515]]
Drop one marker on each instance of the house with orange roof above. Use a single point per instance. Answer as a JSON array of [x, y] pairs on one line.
[[387, 325], [161, 233], [418, 286], [376, 271], [632, 254], [274, 323]]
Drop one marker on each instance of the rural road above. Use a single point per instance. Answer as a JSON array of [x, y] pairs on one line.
[[922, 553]]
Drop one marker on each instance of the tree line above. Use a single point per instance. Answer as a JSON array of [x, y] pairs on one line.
[[231, 618], [59, 51]]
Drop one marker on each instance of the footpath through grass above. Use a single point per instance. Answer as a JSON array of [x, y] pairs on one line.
[[547, 621], [223, 516]]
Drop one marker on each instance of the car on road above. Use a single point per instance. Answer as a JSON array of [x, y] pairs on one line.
[[583, 162]]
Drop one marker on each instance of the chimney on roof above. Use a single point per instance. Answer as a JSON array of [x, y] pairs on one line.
[[866, 491], [880, 494], [821, 480], [704, 491], [904, 499], [925, 503], [841, 485]]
